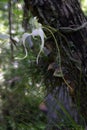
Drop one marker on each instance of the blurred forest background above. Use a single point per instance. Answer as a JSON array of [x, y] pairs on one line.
[[21, 85]]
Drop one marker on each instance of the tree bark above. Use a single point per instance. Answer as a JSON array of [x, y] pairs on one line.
[[68, 19]]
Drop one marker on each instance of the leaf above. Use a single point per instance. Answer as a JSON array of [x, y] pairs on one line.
[[53, 65]]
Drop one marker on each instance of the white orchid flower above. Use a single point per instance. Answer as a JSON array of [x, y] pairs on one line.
[[36, 32]]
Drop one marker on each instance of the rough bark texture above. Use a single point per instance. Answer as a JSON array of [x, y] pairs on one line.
[[73, 48]]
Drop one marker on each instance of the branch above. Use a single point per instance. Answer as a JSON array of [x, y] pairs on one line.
[[10, 25]]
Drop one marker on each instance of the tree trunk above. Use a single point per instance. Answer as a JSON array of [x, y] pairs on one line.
[[70, 23]]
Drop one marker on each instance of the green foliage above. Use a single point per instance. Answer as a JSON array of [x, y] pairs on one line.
[[84, 6], [21, 90]]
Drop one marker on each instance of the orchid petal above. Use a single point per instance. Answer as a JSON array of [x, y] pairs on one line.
[[39, 32]]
